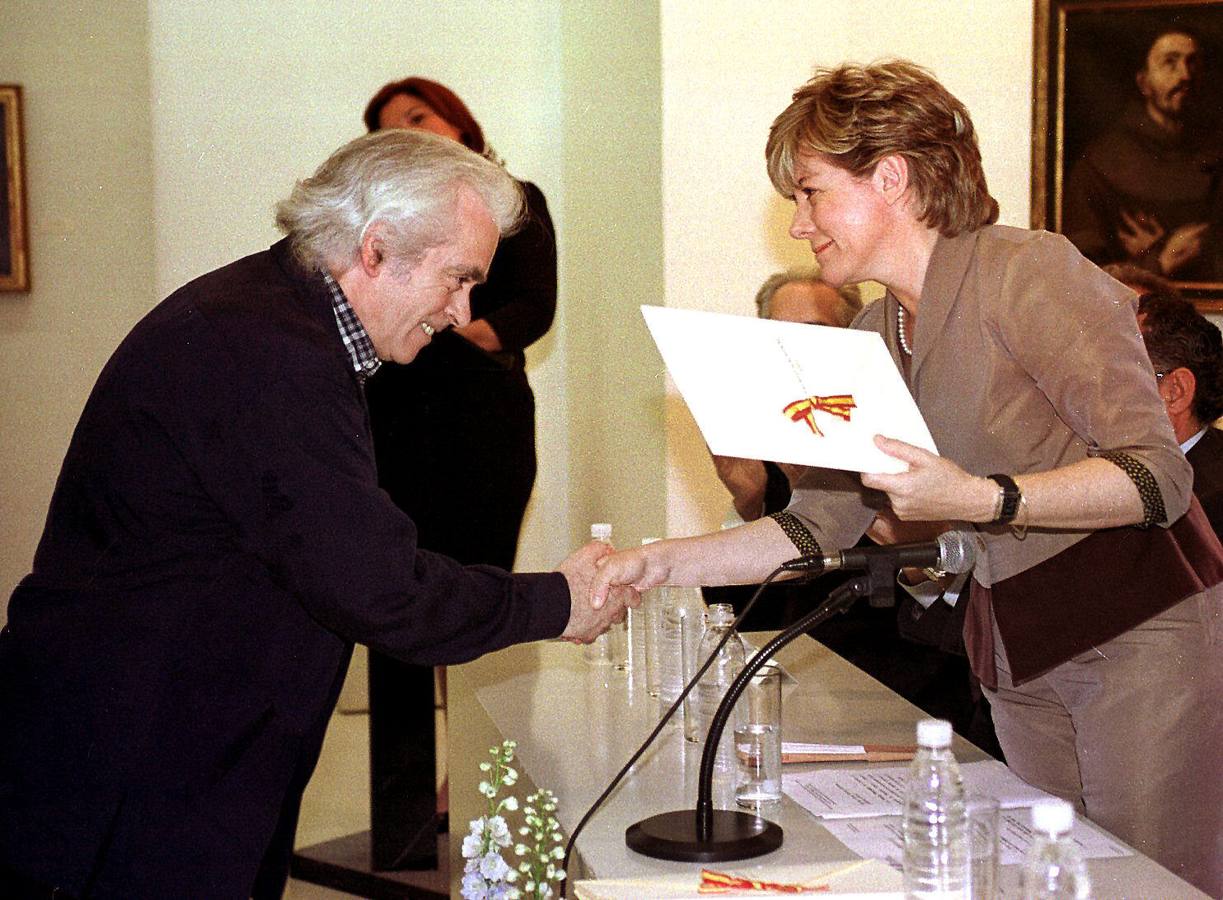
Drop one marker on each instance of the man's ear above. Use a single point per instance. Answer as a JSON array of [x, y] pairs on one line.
[[1178, 389], [373, 250], [891, 177]]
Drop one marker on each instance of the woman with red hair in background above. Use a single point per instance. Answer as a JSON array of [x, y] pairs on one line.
[[454, 432]]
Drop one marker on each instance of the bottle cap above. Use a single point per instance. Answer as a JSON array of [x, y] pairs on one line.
[[601, 531], [934, 733], [1052, 816]]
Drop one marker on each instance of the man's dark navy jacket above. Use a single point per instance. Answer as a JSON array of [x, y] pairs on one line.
[[215, 545]]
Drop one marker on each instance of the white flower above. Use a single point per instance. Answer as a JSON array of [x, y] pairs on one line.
[[474, 887], [510, 803], [499, 831], [493, 867], [471, 845]]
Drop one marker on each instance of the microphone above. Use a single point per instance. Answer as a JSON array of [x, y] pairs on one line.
[[955, 552]]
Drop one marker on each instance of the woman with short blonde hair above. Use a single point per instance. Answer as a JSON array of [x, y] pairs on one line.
[[1093, 613]]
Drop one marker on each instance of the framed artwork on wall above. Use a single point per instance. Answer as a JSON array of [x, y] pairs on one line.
[[14, 256], [1127, 154]]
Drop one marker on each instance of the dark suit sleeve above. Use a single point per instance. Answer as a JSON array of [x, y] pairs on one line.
[[1206, 457], [301, 482], [519, 298]]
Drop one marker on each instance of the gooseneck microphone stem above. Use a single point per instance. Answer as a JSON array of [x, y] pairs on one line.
[[839, 599], [708, 835], [666, 717]]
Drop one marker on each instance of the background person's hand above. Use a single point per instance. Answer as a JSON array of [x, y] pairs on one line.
[[586, 622], [888, 529], [746, 481]]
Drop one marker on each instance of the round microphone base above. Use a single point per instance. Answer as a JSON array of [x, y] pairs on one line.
[[672, 835]]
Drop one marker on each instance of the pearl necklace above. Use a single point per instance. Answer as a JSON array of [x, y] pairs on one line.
[[900, 330]]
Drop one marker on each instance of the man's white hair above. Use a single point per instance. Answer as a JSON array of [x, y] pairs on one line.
[[408, 180]]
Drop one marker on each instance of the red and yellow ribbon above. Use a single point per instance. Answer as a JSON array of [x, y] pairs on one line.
[[723, 883], [839, 405]]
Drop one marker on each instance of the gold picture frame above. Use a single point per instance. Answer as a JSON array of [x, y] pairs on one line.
[[1088, 175], [14, 243]]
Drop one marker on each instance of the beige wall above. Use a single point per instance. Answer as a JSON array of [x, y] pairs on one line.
[[84, 76], [613, 263]]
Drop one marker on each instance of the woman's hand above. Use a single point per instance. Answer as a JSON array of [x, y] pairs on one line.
[[625, 568], [934, 488]]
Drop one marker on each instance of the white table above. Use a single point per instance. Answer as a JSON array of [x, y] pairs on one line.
[[577, 724]]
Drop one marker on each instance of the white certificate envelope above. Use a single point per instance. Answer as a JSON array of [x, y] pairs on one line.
[[788, 392]]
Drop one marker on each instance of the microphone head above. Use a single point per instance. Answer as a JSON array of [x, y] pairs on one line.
[[957, 551]]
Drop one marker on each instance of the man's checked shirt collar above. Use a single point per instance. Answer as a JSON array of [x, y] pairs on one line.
[[356, 341]]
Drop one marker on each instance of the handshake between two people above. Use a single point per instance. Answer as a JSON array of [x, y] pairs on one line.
[[586, 620]]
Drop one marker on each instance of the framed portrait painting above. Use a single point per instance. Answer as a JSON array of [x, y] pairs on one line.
[[1127, 157], [14, 259]]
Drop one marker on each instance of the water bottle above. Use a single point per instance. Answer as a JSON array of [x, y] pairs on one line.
[[1053, 867], [717, 679], [599, 651], [936, 855]]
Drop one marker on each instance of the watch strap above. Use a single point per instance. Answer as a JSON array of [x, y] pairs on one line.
[[1010, 498]]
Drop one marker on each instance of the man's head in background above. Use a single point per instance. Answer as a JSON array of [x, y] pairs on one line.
[[798, 295], [1186, 350]]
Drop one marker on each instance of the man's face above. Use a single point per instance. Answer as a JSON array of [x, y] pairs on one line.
[[809, 302], [1171, 76], [435, 291]]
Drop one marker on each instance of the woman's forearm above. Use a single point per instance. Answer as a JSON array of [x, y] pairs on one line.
[[1086, 495], [742, 555]]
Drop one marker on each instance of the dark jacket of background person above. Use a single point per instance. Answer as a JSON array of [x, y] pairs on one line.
[[454, 432], [1206, 457], [216, 543]]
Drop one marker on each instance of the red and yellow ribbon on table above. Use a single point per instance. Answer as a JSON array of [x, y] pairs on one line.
[[839, 405], [723, 883]]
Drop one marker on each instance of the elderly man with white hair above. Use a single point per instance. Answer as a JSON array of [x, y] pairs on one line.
[[217, 542]]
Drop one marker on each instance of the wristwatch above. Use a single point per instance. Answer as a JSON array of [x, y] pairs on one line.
[[1009, 496]]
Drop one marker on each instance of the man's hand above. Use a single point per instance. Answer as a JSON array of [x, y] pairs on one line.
[[585, 621], [934, 488], [746, 480], [888, 529], [1183, 246]]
